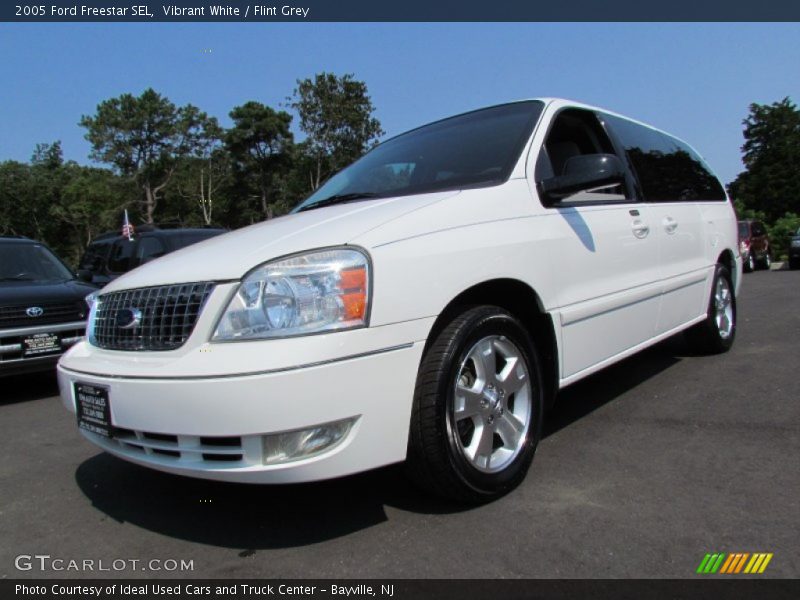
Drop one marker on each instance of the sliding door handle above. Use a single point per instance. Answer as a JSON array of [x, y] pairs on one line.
[[640, 229], [670, 225]]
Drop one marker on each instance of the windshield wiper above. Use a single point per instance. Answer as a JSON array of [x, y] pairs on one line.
[[17, 278], [339, 199]]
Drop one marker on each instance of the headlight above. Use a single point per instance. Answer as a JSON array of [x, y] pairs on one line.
[[93, 302], [323, 290], [91, 299]]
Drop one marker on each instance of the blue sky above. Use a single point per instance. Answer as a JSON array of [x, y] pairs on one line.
[[693, 80]]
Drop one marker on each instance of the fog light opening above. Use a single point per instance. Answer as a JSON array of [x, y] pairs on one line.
[[305, 443]]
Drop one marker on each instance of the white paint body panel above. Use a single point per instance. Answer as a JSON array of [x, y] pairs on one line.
[[609, 294]]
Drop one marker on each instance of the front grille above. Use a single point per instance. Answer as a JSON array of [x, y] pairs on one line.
[[15, 316], [168, 316]]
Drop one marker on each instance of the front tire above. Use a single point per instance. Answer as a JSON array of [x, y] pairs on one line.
[[716, 333], [478, 407]]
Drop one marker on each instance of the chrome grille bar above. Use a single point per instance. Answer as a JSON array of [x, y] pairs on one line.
[[169, 314]]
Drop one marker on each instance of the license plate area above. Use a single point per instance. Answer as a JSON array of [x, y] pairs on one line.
[[40, 344], [93, 408]]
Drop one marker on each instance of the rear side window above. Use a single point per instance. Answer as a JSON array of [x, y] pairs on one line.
[[744, 230], [121, 253], [668, 170], [95, 256], [188, 238], [149, 248]]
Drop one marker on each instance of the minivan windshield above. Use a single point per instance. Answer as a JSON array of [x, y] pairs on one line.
[[476, 149], [30, 262]]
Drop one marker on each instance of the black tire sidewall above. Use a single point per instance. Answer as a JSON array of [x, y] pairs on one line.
[[487, 323]]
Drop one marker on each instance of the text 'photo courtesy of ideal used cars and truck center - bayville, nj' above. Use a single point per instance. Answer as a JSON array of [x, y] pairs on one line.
[[424, 305]]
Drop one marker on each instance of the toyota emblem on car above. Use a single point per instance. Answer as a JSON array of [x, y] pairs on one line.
[[34, 311]]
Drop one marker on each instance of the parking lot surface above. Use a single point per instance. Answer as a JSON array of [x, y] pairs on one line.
[[643, 469]]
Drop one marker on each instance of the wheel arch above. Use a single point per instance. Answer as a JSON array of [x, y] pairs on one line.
[[727, 259], [522, 301]]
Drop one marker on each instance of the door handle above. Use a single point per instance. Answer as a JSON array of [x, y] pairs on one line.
[[640, 229], [670, 225]]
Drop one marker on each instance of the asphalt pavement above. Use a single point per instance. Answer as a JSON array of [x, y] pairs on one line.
[[644, 468]]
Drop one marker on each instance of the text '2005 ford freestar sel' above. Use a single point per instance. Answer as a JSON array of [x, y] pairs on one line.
[[424, 305]]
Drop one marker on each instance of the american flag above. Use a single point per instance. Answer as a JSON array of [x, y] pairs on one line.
[[127, 227]]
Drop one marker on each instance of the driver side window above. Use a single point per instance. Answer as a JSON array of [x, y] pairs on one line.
[[576, 132]]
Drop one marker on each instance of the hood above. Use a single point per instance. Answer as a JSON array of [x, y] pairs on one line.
[[231, 255], [17, 293]]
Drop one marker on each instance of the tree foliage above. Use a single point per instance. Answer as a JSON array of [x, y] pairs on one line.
[[260, 144], [171, 164], [336, 113], [771, 155], [145, 137]]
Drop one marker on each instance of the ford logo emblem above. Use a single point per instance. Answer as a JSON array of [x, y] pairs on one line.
[[34, 311], [128, 318]]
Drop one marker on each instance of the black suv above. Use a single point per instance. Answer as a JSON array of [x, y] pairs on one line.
[[42, 306], [110, 255]]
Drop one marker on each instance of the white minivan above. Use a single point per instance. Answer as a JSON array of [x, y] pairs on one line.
[[424, 305]]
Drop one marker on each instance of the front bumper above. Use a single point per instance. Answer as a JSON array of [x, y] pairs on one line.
[[213, 426], [12, 356]]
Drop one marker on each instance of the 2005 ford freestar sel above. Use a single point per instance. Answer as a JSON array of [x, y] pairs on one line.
[[424, 305]]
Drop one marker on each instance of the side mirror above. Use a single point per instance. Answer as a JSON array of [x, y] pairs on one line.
[[84, 275], [581, 173]]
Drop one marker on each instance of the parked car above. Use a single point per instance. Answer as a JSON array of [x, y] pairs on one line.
[[423, 305], [754, 245], [110, 255], [42, 306], [794, 251]]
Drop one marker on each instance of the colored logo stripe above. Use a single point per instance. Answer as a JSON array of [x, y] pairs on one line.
[[731, 564], [711, 563]]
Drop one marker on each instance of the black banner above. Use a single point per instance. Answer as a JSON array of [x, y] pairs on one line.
[[689, 589], [410, 10]]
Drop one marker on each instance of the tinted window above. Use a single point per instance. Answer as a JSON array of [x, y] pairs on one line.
[[668, 170], [30, 262], [188, 238], [701, 182], [95, 256], [121, 253], [576, 132], [149, 248], [744, 230], [475, 149]]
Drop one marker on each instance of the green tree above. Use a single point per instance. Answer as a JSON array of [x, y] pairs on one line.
[[336, 114], [781, 232], [145, 138], [260, 144], [90, 202], [771, 155]]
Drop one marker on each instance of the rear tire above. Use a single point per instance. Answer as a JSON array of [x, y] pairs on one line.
[[478, 407], [749, 263], [717, 332]]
